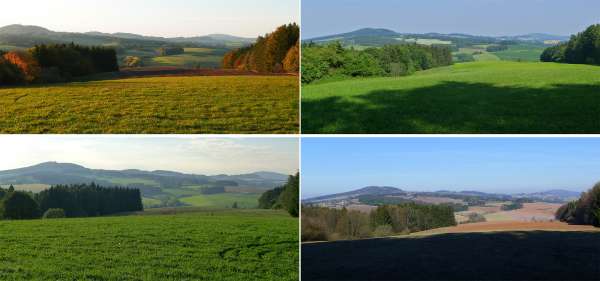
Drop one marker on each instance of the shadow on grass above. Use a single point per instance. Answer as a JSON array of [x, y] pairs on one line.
[[536, 255], [456, 107]]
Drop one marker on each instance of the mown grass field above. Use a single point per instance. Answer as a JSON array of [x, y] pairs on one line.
[[222, 104], [216, 245], [478, 97]]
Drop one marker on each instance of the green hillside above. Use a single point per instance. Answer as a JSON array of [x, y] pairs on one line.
[[478, 97], [211, 245], [242, 104]]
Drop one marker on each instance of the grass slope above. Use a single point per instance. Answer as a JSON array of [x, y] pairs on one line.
[[226, 104], [226, 245], [478, 97], [507, 255]]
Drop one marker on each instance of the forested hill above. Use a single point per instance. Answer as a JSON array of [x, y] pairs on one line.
[[24, 36], [378, 37], [52, 173]]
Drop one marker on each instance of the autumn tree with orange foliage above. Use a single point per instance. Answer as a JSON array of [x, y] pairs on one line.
[[291, 63], [25, 62], [268, 53]]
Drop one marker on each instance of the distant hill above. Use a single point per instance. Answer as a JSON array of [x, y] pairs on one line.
[[555, 195], [550, 196], [381, 36], [26, 36], [52, 173], [369, 190]]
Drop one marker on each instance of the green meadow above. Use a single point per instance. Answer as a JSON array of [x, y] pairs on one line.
[[193, 58], [476, 97], [188, 245], [223, 200], [186, 105]]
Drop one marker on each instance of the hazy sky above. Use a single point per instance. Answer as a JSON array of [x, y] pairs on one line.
[[478, 17], [168, 18], [207, 156], [508, 165]]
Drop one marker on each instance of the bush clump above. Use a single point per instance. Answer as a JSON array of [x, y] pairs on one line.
[[55, 213]]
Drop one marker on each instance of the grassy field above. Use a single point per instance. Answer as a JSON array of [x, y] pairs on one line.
[[502, 255], [521, 53], [223, 200], [193, 57], [217, 245], [478, 97], [225, 104]]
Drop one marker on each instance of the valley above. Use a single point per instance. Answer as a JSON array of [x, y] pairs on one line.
[[159, 189]]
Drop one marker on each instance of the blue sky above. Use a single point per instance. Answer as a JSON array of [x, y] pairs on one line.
[[508, 165], [168, 18], [478, 17], [200, 155]]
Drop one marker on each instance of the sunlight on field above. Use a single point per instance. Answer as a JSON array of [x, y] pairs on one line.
[[225, 104], [476, 97]]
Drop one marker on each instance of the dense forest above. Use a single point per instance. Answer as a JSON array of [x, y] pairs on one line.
[[323, 61], [583, 48], [319, 224], [585, 211], [55, 63], [284, 197], [83, 200], [275, 52]]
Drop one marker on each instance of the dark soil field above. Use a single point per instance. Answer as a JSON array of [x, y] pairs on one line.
[[507, 255]]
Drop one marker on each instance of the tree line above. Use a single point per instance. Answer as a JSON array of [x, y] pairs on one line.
[[55, 63], [584, 211], [582, 48], [320, 224], [82, 200], [170, 51], [331, 60], [273, 53], [284, 197]]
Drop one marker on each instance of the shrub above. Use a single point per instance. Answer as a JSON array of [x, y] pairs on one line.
[[475, 218], [131, 61], [26, 63], [289, 198], [10, 74], [54, 214], [18, 205], [512, 206], [313, 229], [291, 63], [269, 199], [383, 231], [586, 210]]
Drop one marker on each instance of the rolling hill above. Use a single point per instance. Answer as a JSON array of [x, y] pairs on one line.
[[368, 194], [159, 188], [382, 36], [26, 36]]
